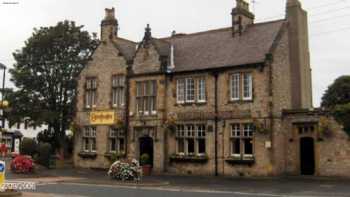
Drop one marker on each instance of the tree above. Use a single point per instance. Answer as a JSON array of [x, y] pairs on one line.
[[337, 93], [45, 72], [337, 100]]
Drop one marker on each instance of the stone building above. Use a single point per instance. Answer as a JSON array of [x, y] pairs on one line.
[[235, 101]]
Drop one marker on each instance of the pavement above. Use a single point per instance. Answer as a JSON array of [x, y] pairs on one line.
[[73, 182]]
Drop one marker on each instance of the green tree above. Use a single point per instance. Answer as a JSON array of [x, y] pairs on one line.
[[45, 75], [338, 93], [337, 100]]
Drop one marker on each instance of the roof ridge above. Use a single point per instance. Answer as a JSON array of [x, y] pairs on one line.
[[124, 39], [214, 30]]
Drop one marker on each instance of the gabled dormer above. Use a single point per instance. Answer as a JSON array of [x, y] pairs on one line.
[[152, 55]]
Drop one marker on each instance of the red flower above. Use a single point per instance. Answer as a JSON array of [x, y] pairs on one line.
[[22, 164]]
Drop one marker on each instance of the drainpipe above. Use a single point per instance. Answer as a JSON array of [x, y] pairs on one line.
[[216, 124], [127, 106]]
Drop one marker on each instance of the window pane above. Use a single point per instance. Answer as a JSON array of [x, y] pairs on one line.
[[201, 131], [247, 86], [93, 144], [190, 131], [180, 131], [190, 146], [201, 90], [113, 144], [180, 145], [189, 90], [248, 146], [235, 84], [235, 130], [86, 144], [248, 130], [236, 147], [121, 145], [201, 146], [180, 92]]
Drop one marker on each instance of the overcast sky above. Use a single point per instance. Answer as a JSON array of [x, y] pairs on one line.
[[329, 24]]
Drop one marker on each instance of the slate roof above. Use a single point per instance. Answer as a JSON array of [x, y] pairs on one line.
[[213, 49], [126, 47], [218, 48]]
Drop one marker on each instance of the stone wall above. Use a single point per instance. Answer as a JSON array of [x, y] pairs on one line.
[[105, 63]]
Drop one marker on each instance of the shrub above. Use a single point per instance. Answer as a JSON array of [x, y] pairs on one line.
[[44, 152], [125, 171], [145, 159], [22, 164], [28, 147]]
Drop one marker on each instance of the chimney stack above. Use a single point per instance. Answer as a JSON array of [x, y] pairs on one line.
[[299, 55], [109, 25], [241, 17]]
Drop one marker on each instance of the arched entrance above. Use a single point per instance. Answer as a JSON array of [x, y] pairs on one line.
[[146, 147], [307, 156]]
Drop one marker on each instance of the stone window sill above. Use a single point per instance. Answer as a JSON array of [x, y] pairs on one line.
[[188, 158], [88, 155], [240, 161], [109, 155]]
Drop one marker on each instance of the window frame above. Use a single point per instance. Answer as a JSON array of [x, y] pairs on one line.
[[89, 140], [188, 134], [235, 89], [90, 92], [243, 135], [201, 90], [118, 90], [146, 97], [250, 86], [118, 135]]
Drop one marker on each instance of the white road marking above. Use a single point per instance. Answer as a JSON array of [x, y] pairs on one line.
[[196, 190]]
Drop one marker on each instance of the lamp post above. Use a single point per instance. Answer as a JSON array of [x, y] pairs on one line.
[[2, 66]]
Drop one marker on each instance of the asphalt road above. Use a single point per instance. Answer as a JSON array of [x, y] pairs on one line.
[[84, 190]]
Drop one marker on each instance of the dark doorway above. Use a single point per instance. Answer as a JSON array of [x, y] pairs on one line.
[[307, 156], [146, 147]]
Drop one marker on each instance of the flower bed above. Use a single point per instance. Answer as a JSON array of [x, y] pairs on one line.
[[22, 164], [125, 171]]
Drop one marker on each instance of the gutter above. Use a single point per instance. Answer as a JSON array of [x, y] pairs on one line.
[[216, 123]]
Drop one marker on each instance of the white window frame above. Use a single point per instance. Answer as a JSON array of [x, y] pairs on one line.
[[89, 134], [248, 76], [235, 134], [235, 84], [180, 91], [248, 133], [201, 90], [190, 90]]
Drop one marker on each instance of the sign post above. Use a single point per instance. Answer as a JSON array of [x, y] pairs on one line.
[[2, 173]]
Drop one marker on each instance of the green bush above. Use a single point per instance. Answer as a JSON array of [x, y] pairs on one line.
[[28, 146], [44, 153], [145, 159]]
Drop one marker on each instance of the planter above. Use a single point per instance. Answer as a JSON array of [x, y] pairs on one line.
[[87, 155], [189, 159], [146, 170], [240, 161]]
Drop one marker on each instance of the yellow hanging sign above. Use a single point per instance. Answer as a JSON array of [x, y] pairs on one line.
[[102, 118]]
